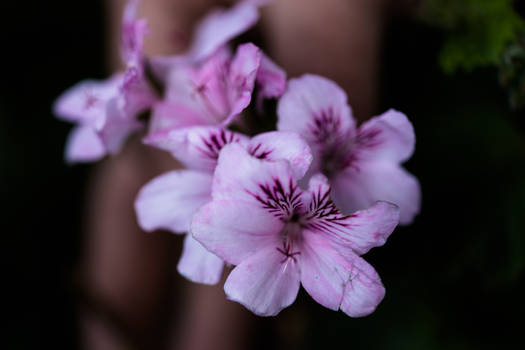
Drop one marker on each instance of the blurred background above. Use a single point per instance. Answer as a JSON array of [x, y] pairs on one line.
[[454, 279]]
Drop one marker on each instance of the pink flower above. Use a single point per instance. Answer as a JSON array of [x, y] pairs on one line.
[[280, 236], [362, 164], [212, 93], [101, 127], [105, 111], [170, 200]]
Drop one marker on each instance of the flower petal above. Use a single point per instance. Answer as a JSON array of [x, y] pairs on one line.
[[243, 71], [240, 176], [324, 272], [199, 265], [355, 233], [317, 109], [364, 291], [270, 78], [263, 284], [359, 188], [234, 230], [133, 32], [276, 145], [170, 200], [84, 145], [220, 26], [118, 127], [86, 101], [196, 147], [388, 137]]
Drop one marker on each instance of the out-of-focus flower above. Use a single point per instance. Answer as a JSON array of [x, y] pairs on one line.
[[362, 164], [213, 93], [280, 236], [105, 111]]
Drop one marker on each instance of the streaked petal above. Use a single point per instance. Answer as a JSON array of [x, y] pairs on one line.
[[263, 284], [364, 290], [366, 229], [388, 137], [84, 145], [234, 230], [317, 109], [170, 200], [196, 147], [278, 145], [324, 272], [199, 265], [358, 188], [240, 176]]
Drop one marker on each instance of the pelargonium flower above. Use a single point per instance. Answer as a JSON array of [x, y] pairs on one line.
[[213, 93], [281, 236], [362, 164], [170, 200], [207, 85], [105, 111]]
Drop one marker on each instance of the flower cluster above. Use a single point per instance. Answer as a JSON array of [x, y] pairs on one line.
[[290, 207]]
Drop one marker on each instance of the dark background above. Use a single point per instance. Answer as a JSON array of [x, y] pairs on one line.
[[454, 278]]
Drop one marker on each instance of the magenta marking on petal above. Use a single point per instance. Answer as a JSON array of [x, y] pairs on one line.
[[214, 142], [326, 127], [277, 201], [323, 214], [369, 138], [287, 252], [258, 152]]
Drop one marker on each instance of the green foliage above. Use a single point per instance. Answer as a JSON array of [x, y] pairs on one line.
[[512, 73], [479, 31]]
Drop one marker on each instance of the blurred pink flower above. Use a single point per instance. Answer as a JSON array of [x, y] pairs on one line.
[[212, 93], [105, 111]]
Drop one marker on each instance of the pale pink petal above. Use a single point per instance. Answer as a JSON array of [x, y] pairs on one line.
[[278, 145], [388, 137], [219, 27], [240, 176], [84, 145], [235, 230], [132, 36], [358, 188], [263, 284], [271, 78], [324, 272], [199, 265], [135, 93], [86, 101], [118, 127], [170, 200], [196, 147], [355, 233], [317, 109], [241, 79], [364, 290], [207, 87], [167, 116]]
